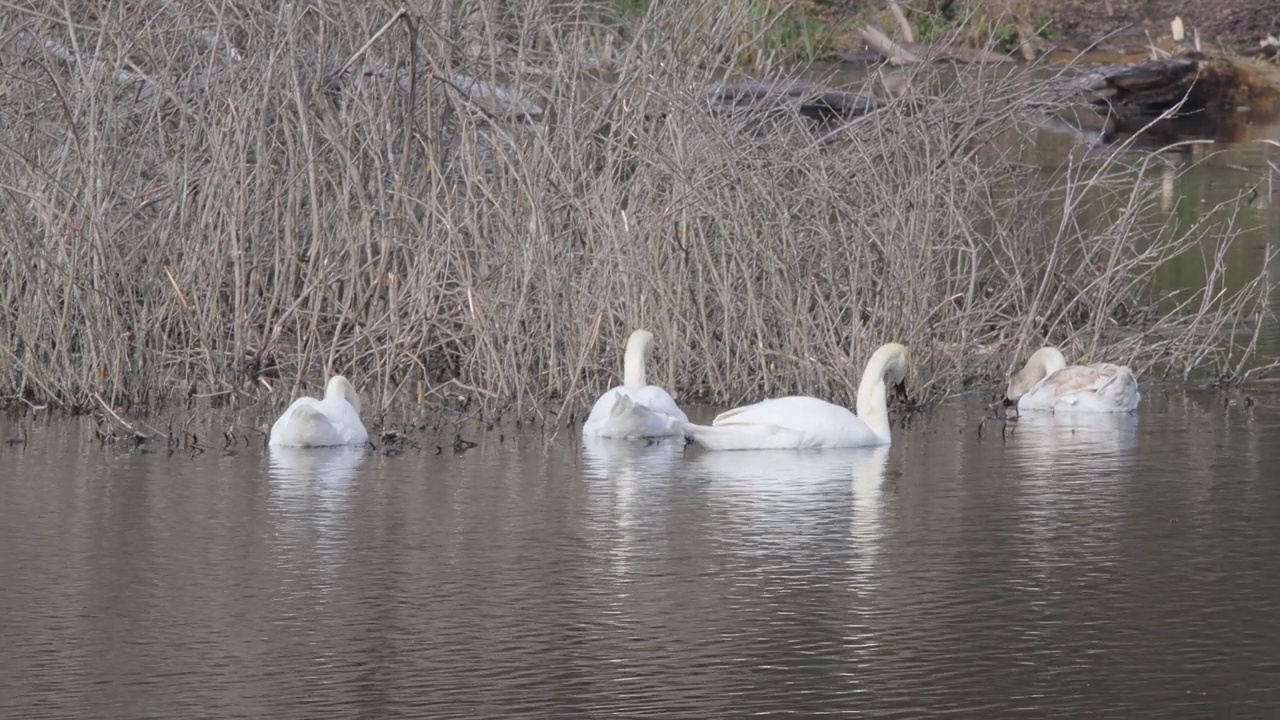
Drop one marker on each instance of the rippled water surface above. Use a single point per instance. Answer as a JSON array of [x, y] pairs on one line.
[[1126, 569]]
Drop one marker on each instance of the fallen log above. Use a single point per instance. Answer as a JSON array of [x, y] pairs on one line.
[[1193, 83], [815, 102], [912, 53], [892, 51]]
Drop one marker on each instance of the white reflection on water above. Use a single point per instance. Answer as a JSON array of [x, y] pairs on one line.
[[785, 496], [627, 468], [1055, 444], [1072, 493], [311, 488]]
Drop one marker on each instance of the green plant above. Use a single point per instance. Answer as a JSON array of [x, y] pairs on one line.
[[931, 28], [1044, 26], [1003, 37], [789, 35]]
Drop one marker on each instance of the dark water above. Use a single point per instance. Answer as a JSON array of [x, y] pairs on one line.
[[1129, 569], [1126, 570]]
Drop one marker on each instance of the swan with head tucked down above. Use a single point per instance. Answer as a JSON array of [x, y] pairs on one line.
[[335, 420], [799, 422], [1046, 382], [635, 409]]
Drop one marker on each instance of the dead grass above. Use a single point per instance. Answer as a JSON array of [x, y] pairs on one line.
[[203, 203]]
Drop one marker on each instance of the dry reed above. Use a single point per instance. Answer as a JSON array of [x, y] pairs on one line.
[[207, 201]]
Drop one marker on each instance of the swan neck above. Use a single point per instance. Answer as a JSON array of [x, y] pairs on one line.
[[633, 370], [873, 403], [339, 388], [1051, 361], [333, 389]]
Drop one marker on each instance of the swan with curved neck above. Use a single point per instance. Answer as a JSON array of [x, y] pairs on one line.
[[1047, 382], [800, 422], [334, 420], [635, 409]]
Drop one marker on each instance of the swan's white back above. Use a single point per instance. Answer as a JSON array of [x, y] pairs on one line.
[[1046, 382], [635, 409], [786, 423], [800, 422], [309, 422]]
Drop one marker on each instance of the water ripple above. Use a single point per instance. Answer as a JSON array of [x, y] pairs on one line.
[[1059, 570]]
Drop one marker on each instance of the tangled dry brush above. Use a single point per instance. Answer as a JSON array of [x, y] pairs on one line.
[[222, 202]]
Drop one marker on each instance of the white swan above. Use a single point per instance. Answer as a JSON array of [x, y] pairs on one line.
[[335, 420], [805, 422], [634, 409], [1048, 383]]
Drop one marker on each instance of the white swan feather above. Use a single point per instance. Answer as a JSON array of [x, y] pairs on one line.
[[801, 422], [635, 409], [333, 421]]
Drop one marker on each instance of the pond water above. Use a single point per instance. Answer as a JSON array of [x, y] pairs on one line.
[[1038, 569], [1043, 568]]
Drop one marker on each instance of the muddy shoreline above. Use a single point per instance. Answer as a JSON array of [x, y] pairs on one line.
[[1106, 28]]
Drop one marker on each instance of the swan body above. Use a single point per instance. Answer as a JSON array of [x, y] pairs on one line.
[[1046, 382], [335, 420], [799, 422], [635, 409]]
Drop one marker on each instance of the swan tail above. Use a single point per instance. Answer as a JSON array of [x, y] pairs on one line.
[[738, 437], [1121, 390], [622, 406], [727, 416], [630, 419]]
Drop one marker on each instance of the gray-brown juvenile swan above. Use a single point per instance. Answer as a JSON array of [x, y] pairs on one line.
[[1046, 382]]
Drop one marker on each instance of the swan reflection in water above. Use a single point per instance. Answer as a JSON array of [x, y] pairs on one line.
[[626, 476], [310, 487], [788, 497], [1059, 446], [1072, 475]]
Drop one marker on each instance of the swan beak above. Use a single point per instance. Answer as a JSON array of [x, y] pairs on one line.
[[900, 390], [1007, 402]]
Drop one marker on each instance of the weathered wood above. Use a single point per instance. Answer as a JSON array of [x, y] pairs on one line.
[[903, 25], [911, 53], [957, 53], [810, 100], [1269, 48], [883, 44], [1190, 83], [1151, 86]]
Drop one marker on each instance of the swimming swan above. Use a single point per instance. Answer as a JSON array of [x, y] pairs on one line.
[[634, 409], [805, 422], [1048, 383], [335, 420]]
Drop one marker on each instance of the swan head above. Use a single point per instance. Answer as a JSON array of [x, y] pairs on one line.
[[894, 359], [1042, 363], [340, 387], [639, 342], [886, 368]]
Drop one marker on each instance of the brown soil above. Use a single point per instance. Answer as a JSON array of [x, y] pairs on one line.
[[1109, 25], [1230, 22]]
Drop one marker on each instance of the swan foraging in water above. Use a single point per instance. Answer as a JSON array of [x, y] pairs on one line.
[[634, 409], [1048, 383], [804, 422], [335, 420]]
